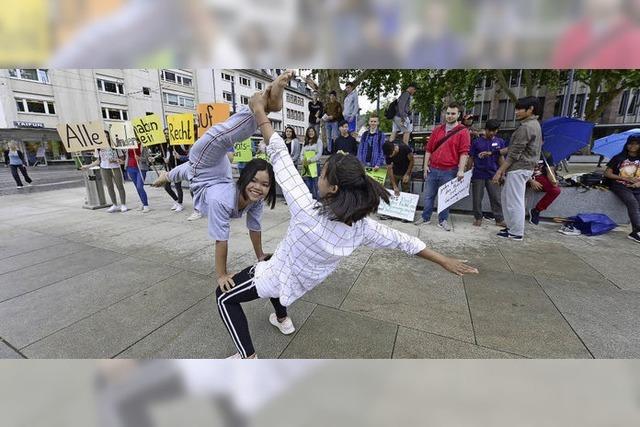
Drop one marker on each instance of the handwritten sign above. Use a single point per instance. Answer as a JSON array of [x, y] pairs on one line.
[[243, 151], [122, 136], [403, 206], [379, 175], [148, 129], [210, 114], [82, 136], [181, 129], [454, 190], [311, 170]]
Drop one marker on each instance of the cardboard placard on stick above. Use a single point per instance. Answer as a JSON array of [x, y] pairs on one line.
[[122, 136], [242, 151], [181, 129], [148, 130], [82, 136], [379, 175], [311, 170], [210, 114]]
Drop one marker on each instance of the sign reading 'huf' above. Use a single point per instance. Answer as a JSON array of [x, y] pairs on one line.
[[82, 136], [210, 114], [149, 129]]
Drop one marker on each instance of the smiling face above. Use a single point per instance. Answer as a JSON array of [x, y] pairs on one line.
[[451, 115], [373, 124], [258, 188], [288, 133]]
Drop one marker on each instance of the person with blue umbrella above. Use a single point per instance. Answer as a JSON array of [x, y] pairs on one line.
[[624, 172]]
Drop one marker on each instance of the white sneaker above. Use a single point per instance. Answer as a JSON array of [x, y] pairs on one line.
[[194, 216], [123, 208], [29, 184], [179, 207], [285, 327], [145, 209], [445, 225], [112, 209], [175, 205], [19, 187], [237, 356]]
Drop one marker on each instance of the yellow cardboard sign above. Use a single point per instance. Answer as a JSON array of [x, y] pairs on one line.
[[148, 130], [311, 170], [82, 136], [379, 175], [181, 129], [210, 114], [242, 151]]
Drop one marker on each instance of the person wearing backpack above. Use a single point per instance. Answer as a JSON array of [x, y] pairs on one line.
[[401, 121], [445, 158]]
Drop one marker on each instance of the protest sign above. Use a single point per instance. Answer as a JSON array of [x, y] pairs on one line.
[[148, 130], [311, 170], [403, 206], [379, 175], [181, 129], [243, 151], [82, 136], [210, 114], [454, 190], [122, 136]]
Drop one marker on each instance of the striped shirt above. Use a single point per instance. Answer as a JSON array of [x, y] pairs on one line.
[[314, 245]]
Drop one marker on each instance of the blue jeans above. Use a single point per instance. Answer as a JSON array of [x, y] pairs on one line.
[[137, 178], [312, 185], [435, 179], [332, 134]]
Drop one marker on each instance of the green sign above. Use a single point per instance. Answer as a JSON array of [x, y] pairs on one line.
[[261, 155], [242, 151], [311, 169], [379, 175]]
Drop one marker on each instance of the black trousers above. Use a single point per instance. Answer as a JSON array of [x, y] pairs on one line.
[[232, 314], [14, 172]]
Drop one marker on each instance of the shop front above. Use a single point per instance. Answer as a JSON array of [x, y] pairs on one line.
[[41, 145]]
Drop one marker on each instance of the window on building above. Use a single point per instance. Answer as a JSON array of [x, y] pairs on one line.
[[506, 111], [227, 77], [146, 91], [481, 109], [259, 85], [110, 86], [178, 100], [633, 103], [277, 125], [109, 113], [227, 96], [35, 74], [628, 102], [245, 81], [172, 77], [35, 106], [514, 79], [244, 100]]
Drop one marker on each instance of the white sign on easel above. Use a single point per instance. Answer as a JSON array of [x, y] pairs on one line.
[[403, 206], [453, 191]]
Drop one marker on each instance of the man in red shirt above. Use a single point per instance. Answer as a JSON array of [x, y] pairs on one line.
[[445, 158]]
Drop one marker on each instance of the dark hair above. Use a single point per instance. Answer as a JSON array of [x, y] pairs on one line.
[[631, 138], [333, 92], [249, 172], [492, 124], [387, 148], [413, 85], [351, 84], [358, 194], [528, 102], [293, 132], [454, 104], [309, 141], [342, 123]]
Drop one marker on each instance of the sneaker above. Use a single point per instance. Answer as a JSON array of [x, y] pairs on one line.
[[422, 221], [145, 209], [635, 236], [445, 225], [123, 208], [112, 209], [237, 356], [504, 234], [516, 238], [179, 207], [29, 184], [285, 327], [175, 205], [569, 230], [477, 222], [19, 187], [194, 216], [534, 217]]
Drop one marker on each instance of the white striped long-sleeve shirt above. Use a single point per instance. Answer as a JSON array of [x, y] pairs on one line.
[[314, 245]]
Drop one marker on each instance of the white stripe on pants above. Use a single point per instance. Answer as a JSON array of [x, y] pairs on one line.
[[513, 203]]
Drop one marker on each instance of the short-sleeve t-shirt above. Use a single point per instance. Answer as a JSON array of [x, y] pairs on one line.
[[401, 160], [487, 167], [625, 166], [221, 206]]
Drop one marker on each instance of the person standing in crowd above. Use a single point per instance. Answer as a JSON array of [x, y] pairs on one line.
[[445, 158], [399, 158], [370, 148], [332, 116], [624, 172], [137, 161], [544, 180], [181, 154], [345, 142], [485, 156], [15, 159], [109, 161], [522, 157], [402, 119], [467, 121], [351, 107], [316, 110], [292, 143], [313, 145], [169, 162]]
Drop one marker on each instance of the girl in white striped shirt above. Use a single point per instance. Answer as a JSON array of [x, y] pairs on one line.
[[319, 236]]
